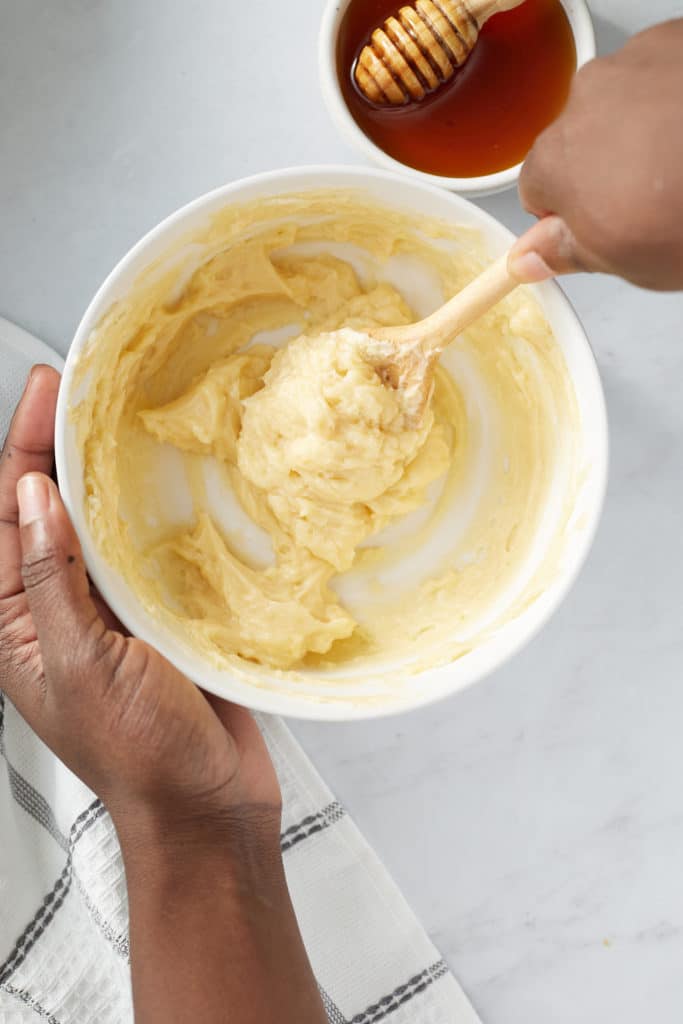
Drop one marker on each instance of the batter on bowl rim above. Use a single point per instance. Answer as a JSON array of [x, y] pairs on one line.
[[315, 448]]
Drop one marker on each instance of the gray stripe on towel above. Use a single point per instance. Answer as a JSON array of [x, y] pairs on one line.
[[54, 899], [30, 1002], [385, 1006], [334, 1014], [311, 825], [25, 795]]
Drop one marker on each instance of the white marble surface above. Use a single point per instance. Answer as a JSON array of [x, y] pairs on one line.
[[536, 821]]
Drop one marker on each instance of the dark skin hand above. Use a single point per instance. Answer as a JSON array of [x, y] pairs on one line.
[[607, 175], [187, 779]]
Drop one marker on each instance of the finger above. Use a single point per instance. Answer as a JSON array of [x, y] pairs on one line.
[[543, 185], [545, 250], [54, 577], [29, 448]]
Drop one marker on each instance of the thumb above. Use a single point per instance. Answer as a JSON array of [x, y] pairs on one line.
[[52, 569], [545, 250]]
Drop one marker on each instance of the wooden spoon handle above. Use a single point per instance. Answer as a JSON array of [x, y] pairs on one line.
[[436, 331]]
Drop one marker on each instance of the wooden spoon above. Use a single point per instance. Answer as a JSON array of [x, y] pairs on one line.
[[405, 357]]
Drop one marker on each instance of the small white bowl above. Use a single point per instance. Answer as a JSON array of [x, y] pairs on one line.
[[484, 185], [320, 695]]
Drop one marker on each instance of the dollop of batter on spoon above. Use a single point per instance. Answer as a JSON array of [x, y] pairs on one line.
[[328, 441]]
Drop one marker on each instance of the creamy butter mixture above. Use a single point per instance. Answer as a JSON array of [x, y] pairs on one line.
[[315, 447]]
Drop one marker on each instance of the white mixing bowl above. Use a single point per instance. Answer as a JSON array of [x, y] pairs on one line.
[[359, 694]]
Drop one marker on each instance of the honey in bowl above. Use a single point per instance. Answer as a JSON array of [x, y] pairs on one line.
[[485, 119]]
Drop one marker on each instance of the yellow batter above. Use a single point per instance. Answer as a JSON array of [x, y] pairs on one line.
[[307, 437]]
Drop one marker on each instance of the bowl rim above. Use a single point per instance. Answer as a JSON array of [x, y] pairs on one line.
[[583, 31], [287, 703]]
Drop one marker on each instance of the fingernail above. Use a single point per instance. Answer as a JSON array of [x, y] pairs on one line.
[[33, 496], [529, 267]]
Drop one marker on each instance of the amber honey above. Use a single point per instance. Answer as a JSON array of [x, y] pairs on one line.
[[485, 119]]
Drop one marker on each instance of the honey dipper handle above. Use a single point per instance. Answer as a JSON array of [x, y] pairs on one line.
[[482, 10]]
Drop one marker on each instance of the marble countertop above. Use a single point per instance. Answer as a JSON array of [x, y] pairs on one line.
[[535, 822]]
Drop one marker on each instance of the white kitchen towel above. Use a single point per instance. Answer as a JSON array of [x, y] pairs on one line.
[[63, 910]]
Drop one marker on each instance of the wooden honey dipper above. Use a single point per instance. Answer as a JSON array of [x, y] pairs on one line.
[[421, 47]]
